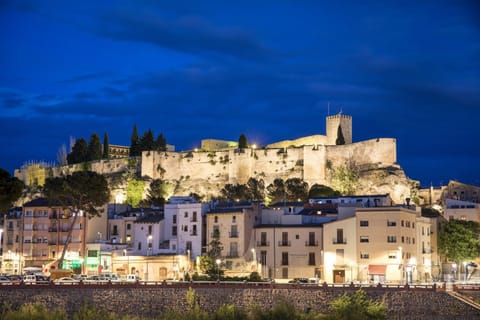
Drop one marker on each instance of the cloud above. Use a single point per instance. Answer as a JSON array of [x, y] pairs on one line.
[[189, 34]]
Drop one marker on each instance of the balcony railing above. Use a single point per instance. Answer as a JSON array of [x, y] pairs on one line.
[[193, 233], [263, 243], [339, 241], [232, 254], [311, 243], [233, 234], [284, 243], [194, 219]]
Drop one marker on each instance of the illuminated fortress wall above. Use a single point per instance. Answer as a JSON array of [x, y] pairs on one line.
[[207, 172]]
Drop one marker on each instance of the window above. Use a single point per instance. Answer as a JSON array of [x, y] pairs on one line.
[[185, 214], [403, 239], [216, 231], [284, 258], [391, 223], [115, 231], [340, 236], [139, 246], [364, 255], [233, 232], [129, 226], [215, 219], [174, 230], [174, 219], [263, 239], [188, 245], [363, 223], [284, 239], [363, 239], [149, 230], [194, 216], [392, 255], [402, 223], [129, 238], [194, 230], [311, 258], [391, 239], [234, 219]]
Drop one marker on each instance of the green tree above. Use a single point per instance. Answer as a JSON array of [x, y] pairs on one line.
[[134, 192], [208, 263], [297, 189], [82, 191], [234, 192], [79, 152], [106, 147], [276, 191], [161, 143], [135, 143], [357, 306], [256, 189], [94, 148], [157, 192], [345, 178], [11, 189], [320, 190], [147, 141], [242, 142], [459, 241], [340, 139]]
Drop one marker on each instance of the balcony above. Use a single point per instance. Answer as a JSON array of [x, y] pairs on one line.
[[284, 243], [311, 243], [232, 254], [339, 241], [194, 219], [427, 251], [233, 234], [193, 233], [263, 243]]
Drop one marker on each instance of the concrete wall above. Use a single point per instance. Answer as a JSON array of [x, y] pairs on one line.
[[152, 301]]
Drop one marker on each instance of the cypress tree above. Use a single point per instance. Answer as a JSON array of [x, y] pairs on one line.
[[134, 145], [340, 138], [94, 148], [242, 142], [106, 147], [79, 152], [147, 141], [161, 143]]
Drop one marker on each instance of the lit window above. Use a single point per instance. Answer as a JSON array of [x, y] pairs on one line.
[[363, 239]]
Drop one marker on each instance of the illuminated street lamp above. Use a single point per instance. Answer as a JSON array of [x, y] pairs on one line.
[[218, 261], [149, 247], [128, 260]]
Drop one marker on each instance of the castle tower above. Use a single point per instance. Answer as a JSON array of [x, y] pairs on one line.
[[332, 128]]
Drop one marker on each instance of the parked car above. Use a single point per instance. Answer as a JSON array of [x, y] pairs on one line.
[[4, 280], [66, 280], [130, 278], [80, 277], [299, 280], [15, 278]]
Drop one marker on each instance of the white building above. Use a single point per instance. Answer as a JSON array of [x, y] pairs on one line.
[[183, 226]]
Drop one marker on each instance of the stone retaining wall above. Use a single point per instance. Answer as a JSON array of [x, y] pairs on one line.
[[150, 301]]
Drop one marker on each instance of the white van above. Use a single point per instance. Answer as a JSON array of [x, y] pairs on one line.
[[29, 279], [130, 278]]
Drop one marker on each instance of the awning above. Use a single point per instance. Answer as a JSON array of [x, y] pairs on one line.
[[379, 269]]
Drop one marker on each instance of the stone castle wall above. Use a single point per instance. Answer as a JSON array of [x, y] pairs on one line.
[[154, 301], [237, 166]]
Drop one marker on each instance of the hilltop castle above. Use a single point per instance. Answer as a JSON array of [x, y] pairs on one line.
[[313, 159]]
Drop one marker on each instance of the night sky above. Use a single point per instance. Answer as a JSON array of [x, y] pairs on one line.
[[272, 70]]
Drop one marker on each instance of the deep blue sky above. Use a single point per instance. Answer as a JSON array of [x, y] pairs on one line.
[[207, 69]]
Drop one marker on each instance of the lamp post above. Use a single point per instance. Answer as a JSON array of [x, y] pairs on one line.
[[149, 247], [254, 257], [218, 261], [128, 260]]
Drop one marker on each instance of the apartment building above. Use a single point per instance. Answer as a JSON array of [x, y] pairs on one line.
[[36, 236], [12, 259], [288, 243], [184, 226], [461, 210], [379, 244], [234, 227]]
